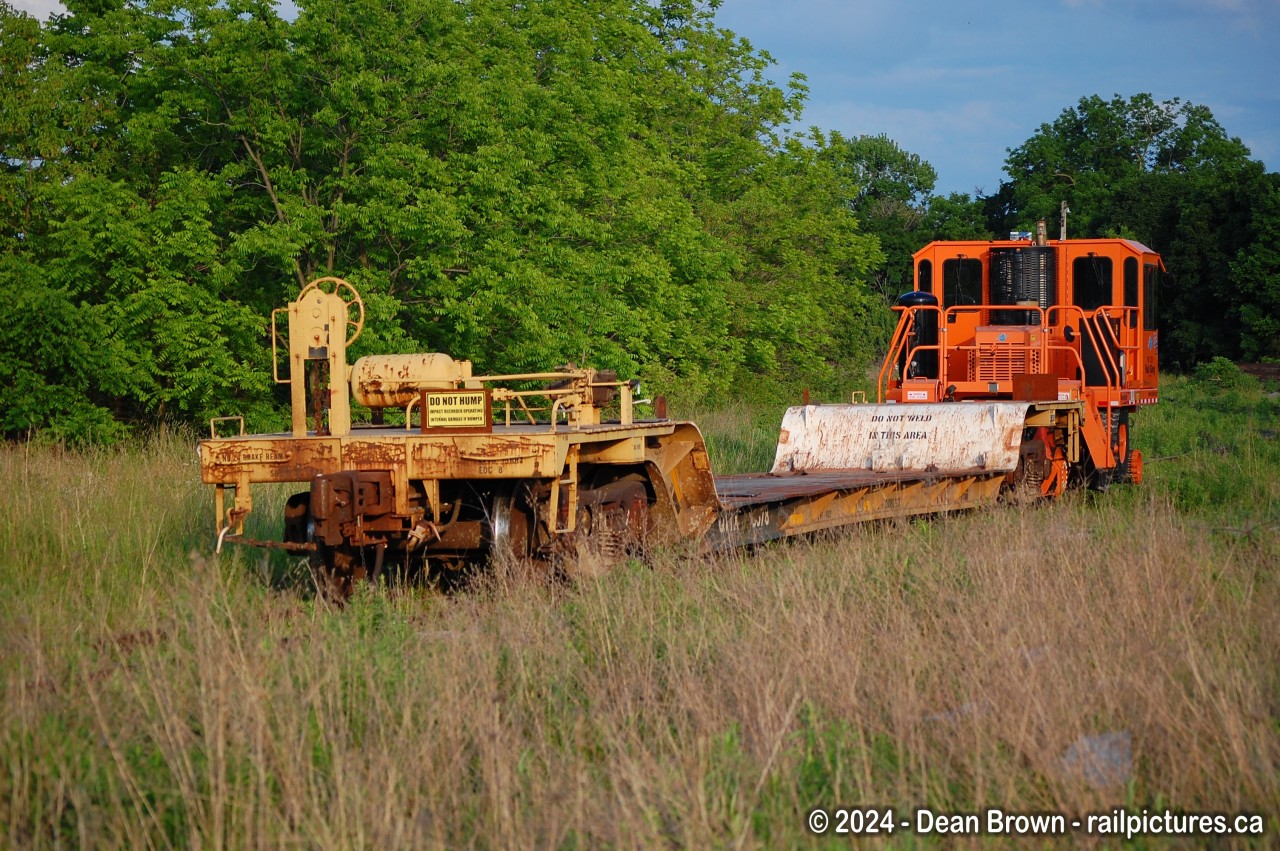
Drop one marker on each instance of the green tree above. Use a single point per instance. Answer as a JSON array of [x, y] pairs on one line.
[[109, 247], [800, 309], [1256, 271], [890, 189], [521, 185], [956, 216], [1164, 173]]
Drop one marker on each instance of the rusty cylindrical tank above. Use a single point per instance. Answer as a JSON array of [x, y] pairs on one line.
[[392, 381]]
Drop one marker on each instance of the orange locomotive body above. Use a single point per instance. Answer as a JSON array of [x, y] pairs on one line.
[[1039, 321]]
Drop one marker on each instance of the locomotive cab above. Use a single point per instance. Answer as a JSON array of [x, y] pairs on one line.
[[1034, 320]]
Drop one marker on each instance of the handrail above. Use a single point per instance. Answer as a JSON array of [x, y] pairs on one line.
[[1041, 345], [1119, 314], [1110, 365], [898, 340], [213, 425], [1108, 344], [937, 347], [958, 309], [895, 345], [568, 391], [1088, 322], [1089, 325]]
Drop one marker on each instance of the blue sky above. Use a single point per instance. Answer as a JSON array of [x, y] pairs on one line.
[[958, 83]]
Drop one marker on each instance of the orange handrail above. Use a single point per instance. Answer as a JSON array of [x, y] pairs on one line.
[[896, 344]]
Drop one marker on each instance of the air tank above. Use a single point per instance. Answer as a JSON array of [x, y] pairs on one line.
[[924, 332], [392, 381]]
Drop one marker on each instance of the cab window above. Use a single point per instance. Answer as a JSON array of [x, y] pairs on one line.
[[1150, 287], [961, 282], [1131, 288], [1091, 282]]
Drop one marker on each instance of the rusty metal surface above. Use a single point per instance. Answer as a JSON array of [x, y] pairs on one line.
[[539, 458], [766, 508], [392, 381], [510, 452], [538, 473], [288, 546], [737, 492], [1033, 388], [924, 438], [673, 452]]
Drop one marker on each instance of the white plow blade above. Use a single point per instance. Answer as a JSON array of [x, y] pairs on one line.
[[901, 438]]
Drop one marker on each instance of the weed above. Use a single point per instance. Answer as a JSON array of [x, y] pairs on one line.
[[157, 695]]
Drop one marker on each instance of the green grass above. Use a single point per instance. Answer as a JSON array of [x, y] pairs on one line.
[[157, 695]]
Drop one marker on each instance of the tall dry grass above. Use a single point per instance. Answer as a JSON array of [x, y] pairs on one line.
[[157, 696]]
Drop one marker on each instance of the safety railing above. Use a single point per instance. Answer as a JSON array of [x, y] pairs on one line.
[[1098, 327], [1104, 345], [898, 341], [570, 397]]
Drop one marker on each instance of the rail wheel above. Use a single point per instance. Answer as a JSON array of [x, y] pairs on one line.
[[612, 524], [1024, 483], [509, 535], [1042, 469], [1123, 452], [509, 528]]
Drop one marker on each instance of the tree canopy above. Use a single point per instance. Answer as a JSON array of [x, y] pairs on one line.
[[609, 182], [893, 201], [1167, 174], [518, 184]]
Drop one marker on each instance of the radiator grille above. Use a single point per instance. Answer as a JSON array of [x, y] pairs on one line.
[[1002, 363]]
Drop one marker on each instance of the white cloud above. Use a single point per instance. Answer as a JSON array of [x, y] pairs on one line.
[[41, 9]]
